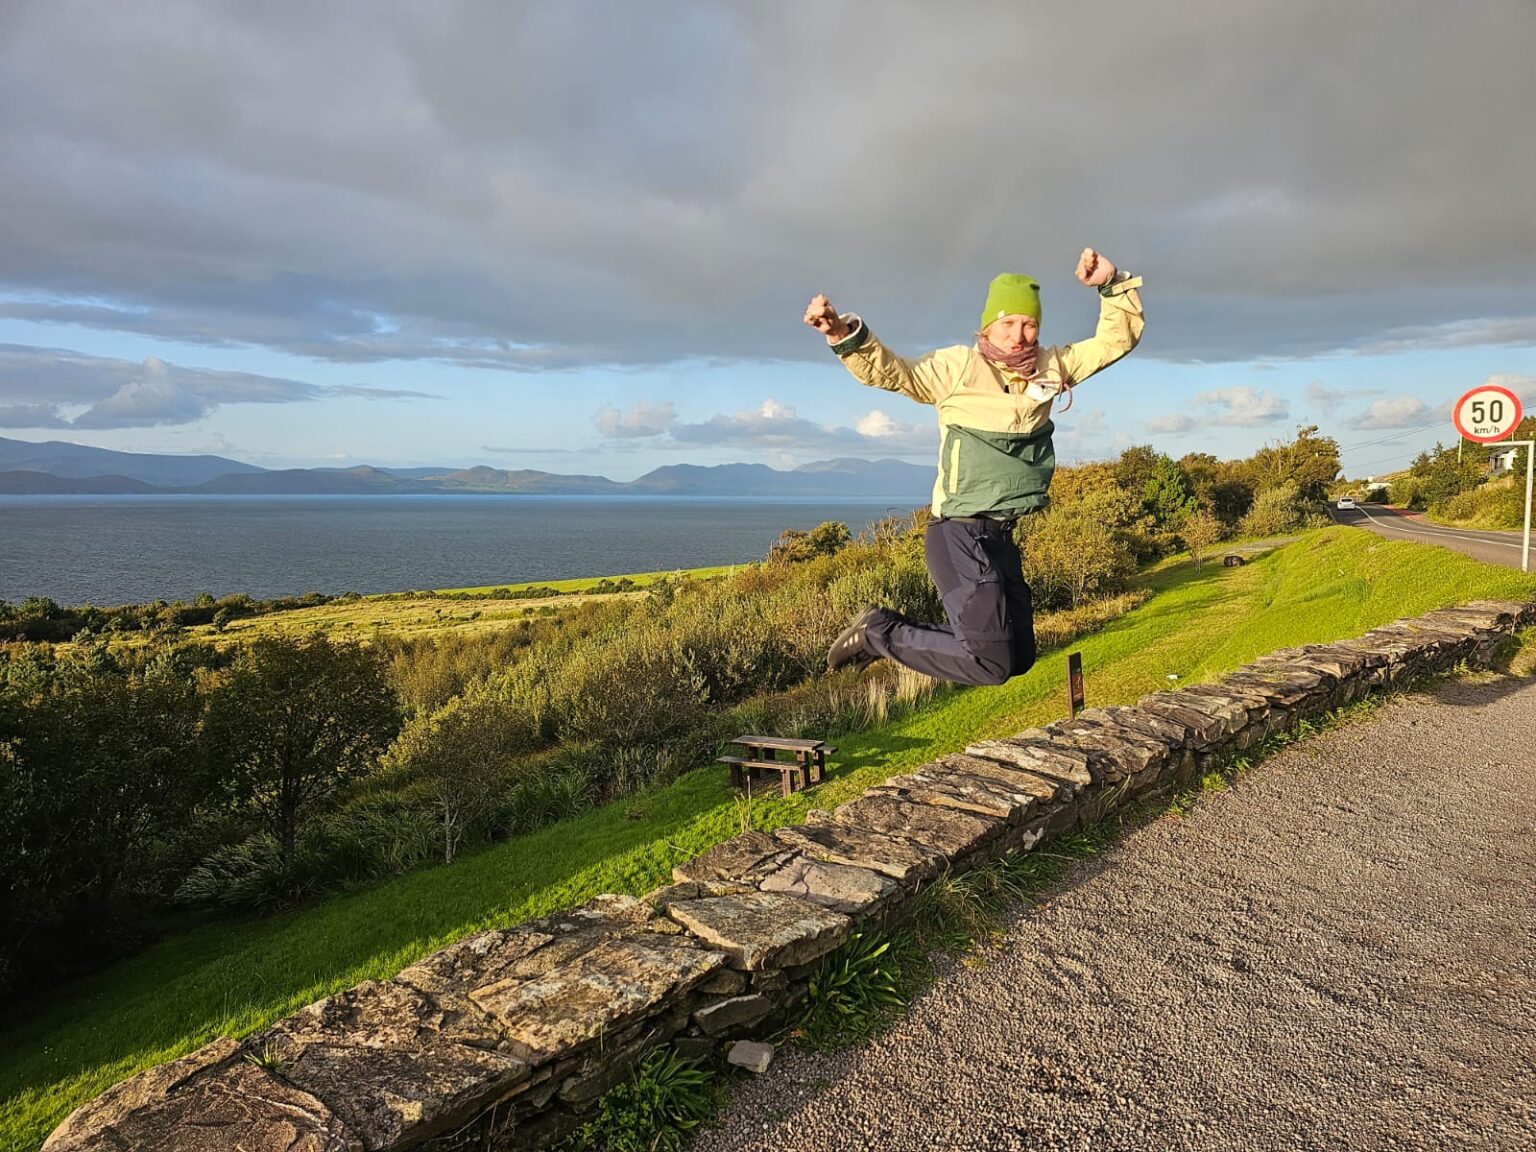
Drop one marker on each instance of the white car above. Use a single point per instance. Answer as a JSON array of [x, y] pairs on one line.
[[1345, 504]]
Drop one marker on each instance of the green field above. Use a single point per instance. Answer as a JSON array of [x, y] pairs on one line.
[[462, 610], [582, 584], [235, 977]]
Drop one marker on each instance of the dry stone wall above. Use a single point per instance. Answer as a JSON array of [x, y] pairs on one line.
[[507, 1038]]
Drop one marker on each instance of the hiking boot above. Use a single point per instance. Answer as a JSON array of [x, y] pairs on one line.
[[849, 648]]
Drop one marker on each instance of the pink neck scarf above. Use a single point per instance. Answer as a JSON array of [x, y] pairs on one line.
[[1022, 361]]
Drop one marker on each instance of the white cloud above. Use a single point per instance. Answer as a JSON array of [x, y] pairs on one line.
[[640, 421], [1394, 412], [1481, 331], [1327, 400], [878, 426], [1242, 406], [1175, 424], [774, 426], [1522, 386]]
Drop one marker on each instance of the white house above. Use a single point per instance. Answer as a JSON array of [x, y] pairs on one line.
[[1503, 459]]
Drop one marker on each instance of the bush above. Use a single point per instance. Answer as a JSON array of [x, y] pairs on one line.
[[852, 995], [1274, 511], [1071, 554], [655, 1111], [1497, 504], [792, 547], [541, 798]]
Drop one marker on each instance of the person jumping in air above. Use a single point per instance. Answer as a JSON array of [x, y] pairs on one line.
[[995, 463]]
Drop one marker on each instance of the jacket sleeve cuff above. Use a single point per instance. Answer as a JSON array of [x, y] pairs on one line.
[[854, 340], [1122, 283]]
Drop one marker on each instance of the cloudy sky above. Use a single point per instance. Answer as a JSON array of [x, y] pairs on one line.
[[579, 236]]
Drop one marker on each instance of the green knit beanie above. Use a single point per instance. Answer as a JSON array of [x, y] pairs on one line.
[[1011, 295]]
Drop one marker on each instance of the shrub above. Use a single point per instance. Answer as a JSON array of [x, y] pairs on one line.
[[638, 688], [1275, 510], [544, 797], [1496, 504], [852, 994], [460, 756], [655, 1111], [1070, 554], [793, 547]]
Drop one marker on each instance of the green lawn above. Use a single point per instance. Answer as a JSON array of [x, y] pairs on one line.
[[581, 584], [236, 977]]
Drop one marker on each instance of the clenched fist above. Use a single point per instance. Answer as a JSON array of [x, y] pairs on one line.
[[1094, 269], [820, 315]]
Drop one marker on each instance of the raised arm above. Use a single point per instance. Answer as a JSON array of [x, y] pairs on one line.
[[926, 380], [1120, 318]]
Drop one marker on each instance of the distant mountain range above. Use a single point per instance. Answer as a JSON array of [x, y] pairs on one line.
[[56, 468]]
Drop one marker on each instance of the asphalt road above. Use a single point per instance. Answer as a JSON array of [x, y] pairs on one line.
[[1491, 547], [1339, 952]]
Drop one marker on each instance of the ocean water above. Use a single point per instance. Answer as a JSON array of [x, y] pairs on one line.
[[129, 549]]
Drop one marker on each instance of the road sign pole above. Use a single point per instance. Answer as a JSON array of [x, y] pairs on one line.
[[1525, 551]]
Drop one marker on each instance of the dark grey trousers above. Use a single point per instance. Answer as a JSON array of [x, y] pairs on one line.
[[991, 631]]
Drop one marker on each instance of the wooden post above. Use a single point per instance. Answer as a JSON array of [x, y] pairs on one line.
[[1075, 682]]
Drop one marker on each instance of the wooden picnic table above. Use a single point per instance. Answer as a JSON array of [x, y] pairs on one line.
[[806, 764]]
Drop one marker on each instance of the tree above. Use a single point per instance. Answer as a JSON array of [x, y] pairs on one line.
[[99, 773], [793, 547], [1445, 473], [462, 754], [1201, 532], [1223, 486], [1309, 463], [1275, 510], [1134, 468], [292, 720], [1167, 495]]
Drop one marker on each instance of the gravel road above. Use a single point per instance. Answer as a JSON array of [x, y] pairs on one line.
[[1338, 952]]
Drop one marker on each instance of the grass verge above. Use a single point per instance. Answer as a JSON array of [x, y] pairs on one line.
[[234, 978]]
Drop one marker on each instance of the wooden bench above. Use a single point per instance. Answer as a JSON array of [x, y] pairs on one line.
[[807, 765]]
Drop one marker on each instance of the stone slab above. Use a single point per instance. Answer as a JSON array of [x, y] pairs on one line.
[[749, 1054], [391, 1062], [840, 887], [1517, 612], [763, 929], [950, 832], [1034, 751], [533, 948], [1166, 729], [737, 1012], [1113, 755], [1227, 705], [992, 796], [1045, 789], [209, 1101], [901, 860], [733, 859], [1205, 730], [1227, 695], [606, 987]]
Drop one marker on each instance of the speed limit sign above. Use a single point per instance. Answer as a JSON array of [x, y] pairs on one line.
[[1487, 413]]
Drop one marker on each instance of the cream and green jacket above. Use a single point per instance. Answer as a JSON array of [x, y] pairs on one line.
[[995, 455]]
